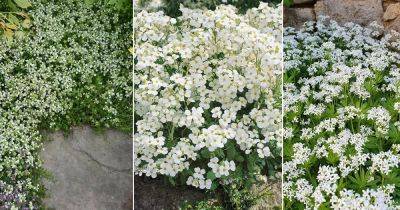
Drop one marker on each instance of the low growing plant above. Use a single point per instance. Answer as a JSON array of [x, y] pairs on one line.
[[74, 68], [207, 96], [342, 117]]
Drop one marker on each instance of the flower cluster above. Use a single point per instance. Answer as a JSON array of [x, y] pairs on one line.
[[73, 68], [341, 107], [198, 180], [207, 94]]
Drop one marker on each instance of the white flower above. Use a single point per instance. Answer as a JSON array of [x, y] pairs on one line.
[[205, 81], [339, 84], [74, 62]]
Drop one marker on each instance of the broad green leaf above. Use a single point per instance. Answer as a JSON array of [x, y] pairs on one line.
[[26, 23], [214, 186], [89, 2], [12, 6], [205, 153], [211, 175], [13, 19], [11, 26], [19, 34], [9, 34], [23, 3]]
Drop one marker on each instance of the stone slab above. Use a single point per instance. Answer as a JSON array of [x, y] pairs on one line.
[[91, 171]]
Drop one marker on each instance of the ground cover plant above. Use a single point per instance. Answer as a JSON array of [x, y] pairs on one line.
[[73, 68], [341, 105], [172, 7], [207, 97]]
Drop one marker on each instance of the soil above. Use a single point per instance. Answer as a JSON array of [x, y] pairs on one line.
[[155, 194]]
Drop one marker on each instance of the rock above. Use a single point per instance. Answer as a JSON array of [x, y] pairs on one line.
[[155, 194], [295, 17], [394, 25], [392, 12], [362, 12], [90, 170], [303, 1], [272, 195]]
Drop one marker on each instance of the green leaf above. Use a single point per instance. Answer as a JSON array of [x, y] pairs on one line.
[[394, 134], [205, 153], [288, 3], [9, 34], [214, 186], [392, 178], [12, 6], [211, 175], [11, 26], [361, 180], [89, 2], [231, 150], [26, 23], [19, 34], [23, 3], [172, 181], [219, 153], [323, 207], [13, 19], [239, 158]]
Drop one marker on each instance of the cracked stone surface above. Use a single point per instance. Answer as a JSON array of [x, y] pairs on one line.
[[90, 170]]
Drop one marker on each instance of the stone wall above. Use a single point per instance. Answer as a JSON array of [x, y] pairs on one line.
[[363, 12]]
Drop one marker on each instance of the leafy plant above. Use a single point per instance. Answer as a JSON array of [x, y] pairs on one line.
[[14, 20], [188, 127], [171, 7], [341, 146], [287, 3], [74, 68]]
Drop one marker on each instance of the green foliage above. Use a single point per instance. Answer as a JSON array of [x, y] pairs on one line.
[[73, 68], [171, 7], [14, 21], [238, 195], [120, 5], [234, 196], [374, 138], [209, 204], [287, 3], [24, 4]]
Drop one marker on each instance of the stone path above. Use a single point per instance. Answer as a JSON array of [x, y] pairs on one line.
[[91, 171]]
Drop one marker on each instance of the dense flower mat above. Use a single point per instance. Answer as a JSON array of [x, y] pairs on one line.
[[341, 117], [207, 95], [74, 67]]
